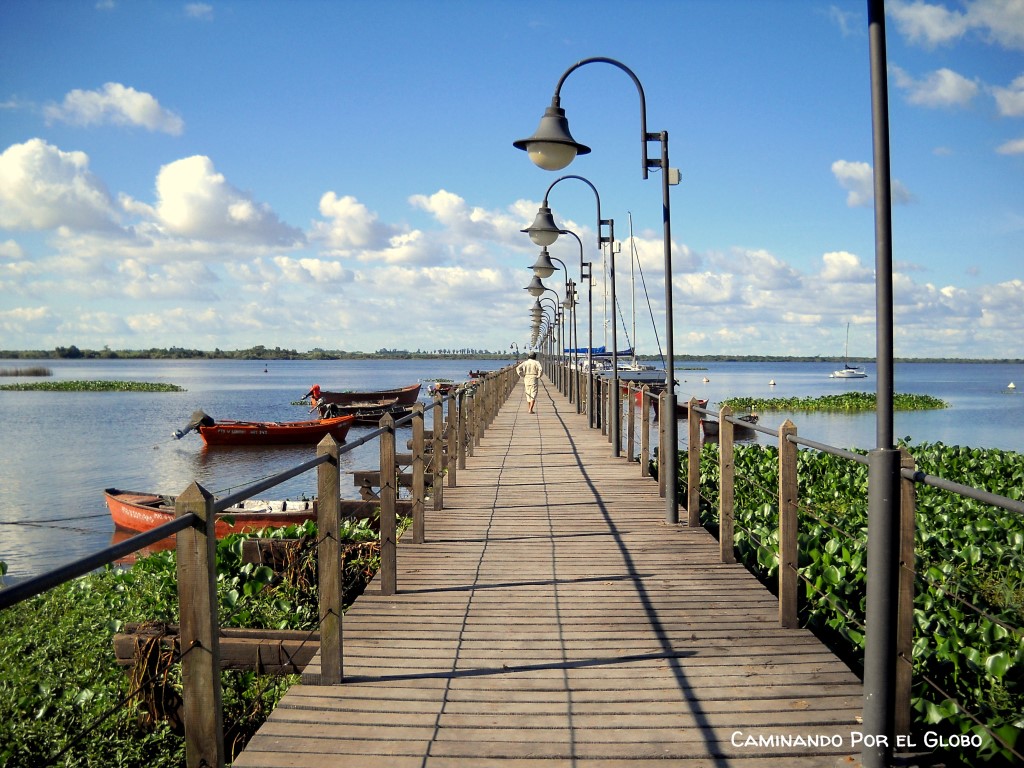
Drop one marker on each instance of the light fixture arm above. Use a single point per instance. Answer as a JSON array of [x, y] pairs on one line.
[[645, 137], [600, 222]]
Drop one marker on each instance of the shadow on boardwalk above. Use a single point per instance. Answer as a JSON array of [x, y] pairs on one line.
[[553, 619]]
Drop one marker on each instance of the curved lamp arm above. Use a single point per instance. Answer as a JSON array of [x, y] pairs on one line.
[[553, 134]]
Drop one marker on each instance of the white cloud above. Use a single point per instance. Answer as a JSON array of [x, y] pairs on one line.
[[941, 88], [202, 11], [195, 201], [858, 180], [1013, 147], [43, 187], [350, 224], [115, 104], [11, 250], [998, 21], [844, 267], [1010, 100]]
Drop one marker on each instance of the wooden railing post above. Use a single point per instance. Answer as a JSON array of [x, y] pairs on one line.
[[630, 422], [329, 563], [388, 497], [437, 446], [452, 438], [418, 481], [471, 408], [692, 466], [726, 487], [462, 399], [200, 648], [662, 399], [905, 602], [788, 527], [645, 431]]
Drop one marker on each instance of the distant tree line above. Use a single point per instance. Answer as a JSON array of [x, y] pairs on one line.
[[260, 352]]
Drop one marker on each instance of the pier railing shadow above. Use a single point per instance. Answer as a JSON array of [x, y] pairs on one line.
[[459, 420], [639, 407]]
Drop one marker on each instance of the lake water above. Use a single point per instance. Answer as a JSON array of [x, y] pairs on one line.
[[60, 450]]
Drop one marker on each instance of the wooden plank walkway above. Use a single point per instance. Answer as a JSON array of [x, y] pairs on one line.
[[553, 619]]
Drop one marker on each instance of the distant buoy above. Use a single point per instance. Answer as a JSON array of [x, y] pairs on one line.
[[1011, 385], [771, 383]]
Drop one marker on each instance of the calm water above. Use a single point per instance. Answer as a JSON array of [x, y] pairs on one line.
[[60, 450]]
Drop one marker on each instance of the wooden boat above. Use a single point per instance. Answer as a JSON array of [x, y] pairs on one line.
[[231, 432], [365, 414], [276, 432], [710, 426], [441, 388], [134, 511], [401, 395]]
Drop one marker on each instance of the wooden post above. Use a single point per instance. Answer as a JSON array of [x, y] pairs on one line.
[[460, 427], [788, 527], [200, 648], [329, 563], [905, 601], [437, 464], [470, 403], [661, 443], [388, 496], [418, 483], [645, 431], [726, 487], [630, 422], [452, 436], [692, 467]]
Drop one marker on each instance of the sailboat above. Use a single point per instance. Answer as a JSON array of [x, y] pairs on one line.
[[634, 371], [848, 371]]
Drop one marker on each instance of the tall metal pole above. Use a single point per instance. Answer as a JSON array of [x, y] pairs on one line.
[[615, 412], [880, 654], [670, 462]]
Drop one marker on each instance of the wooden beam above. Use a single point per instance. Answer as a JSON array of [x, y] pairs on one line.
[[270, 651]]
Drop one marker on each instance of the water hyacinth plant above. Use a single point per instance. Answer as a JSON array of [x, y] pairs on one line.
[[92, 386], [969, 566], [848, 402]]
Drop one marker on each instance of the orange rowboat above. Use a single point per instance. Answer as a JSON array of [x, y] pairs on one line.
[[134, 511], [229, 432], [275, 432]]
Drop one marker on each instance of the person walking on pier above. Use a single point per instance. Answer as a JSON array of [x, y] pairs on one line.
[[530, 370]]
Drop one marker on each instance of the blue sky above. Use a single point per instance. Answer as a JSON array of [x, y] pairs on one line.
[[341, 174]]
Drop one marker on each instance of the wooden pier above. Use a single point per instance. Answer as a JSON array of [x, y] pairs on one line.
[[553, 619]]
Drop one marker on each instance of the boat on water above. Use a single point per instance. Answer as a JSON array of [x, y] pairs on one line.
[[711, 426], [401, 395], [139, 512], [231, 432], [366, 414], [848, 371]]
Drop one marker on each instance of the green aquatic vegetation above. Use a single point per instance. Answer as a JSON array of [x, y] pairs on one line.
[[92, 386], [58, 673], [969, 561], [847, 402]]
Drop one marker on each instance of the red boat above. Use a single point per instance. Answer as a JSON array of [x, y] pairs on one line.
[[275, 432], [266, 432], [133, 511], [401, 396]]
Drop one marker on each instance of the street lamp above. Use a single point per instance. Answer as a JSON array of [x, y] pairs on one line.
[[552, 148], [544, 231]]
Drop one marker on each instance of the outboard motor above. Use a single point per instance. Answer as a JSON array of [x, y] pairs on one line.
[[199, 419]]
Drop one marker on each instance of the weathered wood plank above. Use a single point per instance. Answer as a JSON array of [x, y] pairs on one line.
[[551, 618]]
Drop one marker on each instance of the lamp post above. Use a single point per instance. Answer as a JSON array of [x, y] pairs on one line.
[[537, 288], [542, 268], [544, 231], [552, 148]]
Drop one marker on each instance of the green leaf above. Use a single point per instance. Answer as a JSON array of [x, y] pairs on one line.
[[998, 664]]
